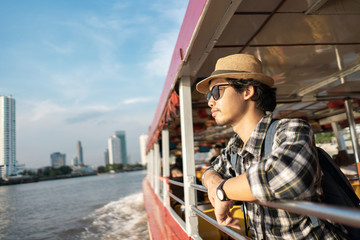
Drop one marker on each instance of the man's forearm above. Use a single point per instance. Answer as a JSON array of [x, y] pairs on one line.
[[210, 178], [236, 188]]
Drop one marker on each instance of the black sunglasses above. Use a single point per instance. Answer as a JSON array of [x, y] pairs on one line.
[[214, 92]]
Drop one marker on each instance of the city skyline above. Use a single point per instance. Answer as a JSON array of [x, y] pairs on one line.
[[82, 71]]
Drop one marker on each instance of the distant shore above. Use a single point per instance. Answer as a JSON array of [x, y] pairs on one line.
[[32, 179]]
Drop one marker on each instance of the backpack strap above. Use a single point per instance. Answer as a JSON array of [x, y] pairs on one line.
[[233, 159], [269, 137], [266, 150]]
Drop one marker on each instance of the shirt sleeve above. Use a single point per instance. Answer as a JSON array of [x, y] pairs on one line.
[[221, 165], [291, 171]]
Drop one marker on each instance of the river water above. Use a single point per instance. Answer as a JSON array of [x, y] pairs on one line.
[[95, 207]]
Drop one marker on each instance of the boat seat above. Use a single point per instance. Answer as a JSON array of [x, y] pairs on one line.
[[208, 231], [356, 187]]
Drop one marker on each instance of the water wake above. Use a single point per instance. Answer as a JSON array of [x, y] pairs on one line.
[[124, 219]]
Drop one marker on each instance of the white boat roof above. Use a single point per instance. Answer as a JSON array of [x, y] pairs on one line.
[[311, 48]]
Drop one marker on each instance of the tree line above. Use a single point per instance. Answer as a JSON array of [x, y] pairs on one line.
[[48, 172], [118, 167]]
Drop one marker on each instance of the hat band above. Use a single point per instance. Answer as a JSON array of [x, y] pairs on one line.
[[217, 72]]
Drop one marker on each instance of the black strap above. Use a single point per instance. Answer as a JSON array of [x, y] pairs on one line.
[[269, 137], [233, 159], [267, 149]]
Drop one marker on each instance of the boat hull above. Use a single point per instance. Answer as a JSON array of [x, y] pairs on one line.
[[162, 224]]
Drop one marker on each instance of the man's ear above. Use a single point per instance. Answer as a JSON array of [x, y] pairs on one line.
[[249, 92]]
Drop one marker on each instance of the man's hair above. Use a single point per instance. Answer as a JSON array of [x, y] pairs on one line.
[[264, 96], [174, 170]]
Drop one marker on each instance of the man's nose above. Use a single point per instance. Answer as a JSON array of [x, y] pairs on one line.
[[211, 102]]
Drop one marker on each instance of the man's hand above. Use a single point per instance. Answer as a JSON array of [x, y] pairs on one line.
[[223, 215], [221, 208]]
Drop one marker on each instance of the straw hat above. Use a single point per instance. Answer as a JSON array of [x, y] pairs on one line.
[[239, 66]]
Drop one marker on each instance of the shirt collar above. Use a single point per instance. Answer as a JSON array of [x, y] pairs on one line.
[[257, 137]]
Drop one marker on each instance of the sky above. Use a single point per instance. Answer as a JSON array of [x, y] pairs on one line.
[[81, 70]]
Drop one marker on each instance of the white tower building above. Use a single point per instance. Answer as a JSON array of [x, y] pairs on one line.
[[7, 137], [114, 144], [143, 139]]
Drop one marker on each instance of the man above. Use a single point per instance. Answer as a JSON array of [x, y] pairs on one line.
[[240, 95]]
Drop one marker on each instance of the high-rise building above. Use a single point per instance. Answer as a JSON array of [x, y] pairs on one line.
[[58, 159], [79, 154], [7, 137], [114, 144], [106, 157], [143, 139], [75, 161], [121, 136]]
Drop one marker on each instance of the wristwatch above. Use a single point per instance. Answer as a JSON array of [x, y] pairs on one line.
[[220, 192]]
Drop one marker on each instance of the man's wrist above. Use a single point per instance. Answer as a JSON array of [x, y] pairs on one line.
[[220, 193], [211, 179]]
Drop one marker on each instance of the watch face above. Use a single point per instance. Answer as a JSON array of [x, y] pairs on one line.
[[220, 194]]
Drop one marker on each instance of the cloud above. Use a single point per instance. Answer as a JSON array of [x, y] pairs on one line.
[[160, 54], [88, 113], [50, 113], [43, 109], [120, 5], [64, 49], [174, 11], [162, 49], [136, 100], [84, 117]]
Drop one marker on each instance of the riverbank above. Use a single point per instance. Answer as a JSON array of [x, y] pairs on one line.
[[32, 179]]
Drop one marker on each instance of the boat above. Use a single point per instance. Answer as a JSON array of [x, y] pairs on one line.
[[312, 50]]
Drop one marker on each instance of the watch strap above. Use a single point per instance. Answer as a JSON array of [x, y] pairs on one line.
[[220, 187]]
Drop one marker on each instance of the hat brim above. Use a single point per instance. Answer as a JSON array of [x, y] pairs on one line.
[[203, 85]]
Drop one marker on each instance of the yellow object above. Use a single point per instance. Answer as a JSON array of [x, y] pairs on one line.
[[209, 232], [356, 187]]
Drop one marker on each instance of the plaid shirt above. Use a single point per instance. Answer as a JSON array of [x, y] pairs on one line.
[[291, 172]]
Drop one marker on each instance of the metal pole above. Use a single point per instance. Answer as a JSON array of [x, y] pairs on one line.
[[338, 135], [187, 144], [157, 167], [153, 167], [343, 215], [350, 116], [166, 155], [148, 166], [151, 164], [353, 134]]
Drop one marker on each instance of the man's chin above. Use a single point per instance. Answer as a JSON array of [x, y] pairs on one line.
[[220, 122]]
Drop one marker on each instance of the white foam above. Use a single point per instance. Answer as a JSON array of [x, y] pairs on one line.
[[123, 219]]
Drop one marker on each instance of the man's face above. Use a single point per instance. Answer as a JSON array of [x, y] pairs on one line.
[[229, 108]]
